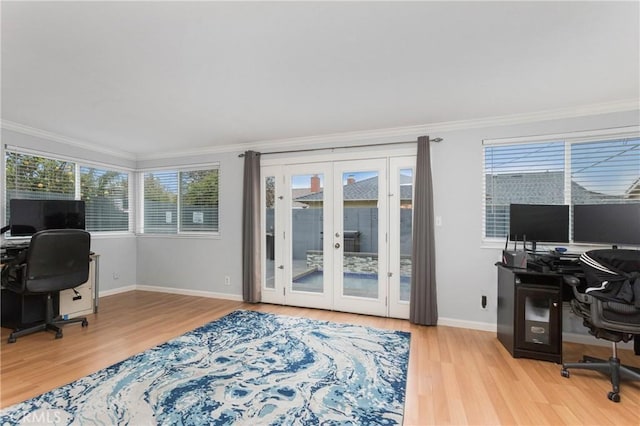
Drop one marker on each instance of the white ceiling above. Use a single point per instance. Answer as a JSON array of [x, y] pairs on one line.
[[148, 77]]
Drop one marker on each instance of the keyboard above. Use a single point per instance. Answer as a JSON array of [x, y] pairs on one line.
[[9, 249], [15, 245]]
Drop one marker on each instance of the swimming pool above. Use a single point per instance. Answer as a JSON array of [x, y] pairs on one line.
[[355, 284]]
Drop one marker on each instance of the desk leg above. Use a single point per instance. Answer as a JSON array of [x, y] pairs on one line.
[[96, 286]]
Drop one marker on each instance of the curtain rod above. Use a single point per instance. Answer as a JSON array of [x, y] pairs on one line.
[[340, 147]]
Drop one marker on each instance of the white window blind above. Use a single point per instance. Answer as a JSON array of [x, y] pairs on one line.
[[520, 174], [605, 172], [105, 191], [37, 178], [161, 202], [181, 201], [558, 172], [199, 200], [106, 197]]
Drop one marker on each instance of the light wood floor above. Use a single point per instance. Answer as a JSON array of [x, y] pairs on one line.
[[456, 376]]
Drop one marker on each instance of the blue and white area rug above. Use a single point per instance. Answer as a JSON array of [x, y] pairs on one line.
[[245, 368]]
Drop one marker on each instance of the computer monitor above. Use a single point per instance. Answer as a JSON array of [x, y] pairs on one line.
[[607, 223], [26, 217], [539, 223]]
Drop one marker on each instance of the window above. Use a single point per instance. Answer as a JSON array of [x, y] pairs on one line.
[[180, 201], [105, 191], [106, 197], [594, 170], [605, 172]]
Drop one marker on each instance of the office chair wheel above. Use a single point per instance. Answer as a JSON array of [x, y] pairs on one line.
[[565, 373], [11, 339], [614, 396], [58, 334], [85, 323]]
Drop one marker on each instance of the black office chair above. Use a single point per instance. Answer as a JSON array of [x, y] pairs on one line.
[[610, 308], [56, 260]]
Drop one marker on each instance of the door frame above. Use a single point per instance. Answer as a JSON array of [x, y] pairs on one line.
[[398, 308], [403, 157]]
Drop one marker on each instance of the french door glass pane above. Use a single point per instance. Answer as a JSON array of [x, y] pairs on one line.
[[270, 197], [307, 256], [406, 232], [360, 234]]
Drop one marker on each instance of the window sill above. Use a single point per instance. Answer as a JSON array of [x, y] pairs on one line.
[[191, 236]]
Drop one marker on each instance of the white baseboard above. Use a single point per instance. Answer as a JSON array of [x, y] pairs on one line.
[[186, 292], [171, 290], [585, 339], [103, 293], [473, 325]]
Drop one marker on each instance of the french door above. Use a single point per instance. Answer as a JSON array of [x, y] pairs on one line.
[[337, 235]]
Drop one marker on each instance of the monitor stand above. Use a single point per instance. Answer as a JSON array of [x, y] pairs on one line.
[[533, 245]]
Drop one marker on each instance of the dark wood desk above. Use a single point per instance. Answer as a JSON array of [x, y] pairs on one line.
[[18, 310], [530, 313]]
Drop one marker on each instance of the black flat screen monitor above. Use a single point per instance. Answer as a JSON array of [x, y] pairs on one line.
[[26, 217], [607, 223], [539, 223]]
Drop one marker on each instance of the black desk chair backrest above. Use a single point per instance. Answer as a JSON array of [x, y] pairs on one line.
[[56, 260], [614, 273]]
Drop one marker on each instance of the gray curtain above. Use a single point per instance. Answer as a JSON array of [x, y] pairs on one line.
[[251, 258], [423, 303]]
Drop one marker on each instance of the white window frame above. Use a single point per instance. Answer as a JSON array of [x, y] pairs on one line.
[[599, 135], [179, 234], [78, 162]]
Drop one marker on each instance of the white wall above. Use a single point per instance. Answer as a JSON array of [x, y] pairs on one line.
[[199, 265], [465, 269], [118, 263], [58, 146], [117, 253]]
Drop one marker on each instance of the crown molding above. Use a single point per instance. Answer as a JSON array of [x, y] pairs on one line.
[[389, 134], [409, 132], [299, 142], [32, 131]]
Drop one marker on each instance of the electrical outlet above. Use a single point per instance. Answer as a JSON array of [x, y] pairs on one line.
[[227, 280], [116, 275]]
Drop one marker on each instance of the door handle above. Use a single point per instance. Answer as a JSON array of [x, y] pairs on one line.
[[337, 245]]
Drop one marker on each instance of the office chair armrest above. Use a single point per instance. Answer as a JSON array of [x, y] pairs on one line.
[[574, 282], [11, 274]]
